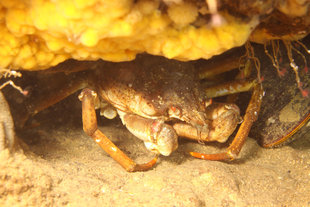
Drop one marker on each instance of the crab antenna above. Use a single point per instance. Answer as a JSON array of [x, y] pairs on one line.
[[275, 50], [299, 53], [289, 47], [273, 58], [251, 55]]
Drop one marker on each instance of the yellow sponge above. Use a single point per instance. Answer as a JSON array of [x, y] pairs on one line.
[[36, 34]]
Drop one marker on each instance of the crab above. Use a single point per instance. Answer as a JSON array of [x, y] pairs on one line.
[[158, 100]]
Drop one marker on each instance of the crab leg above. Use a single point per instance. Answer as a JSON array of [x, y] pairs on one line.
[[231, 87], [88, 97], [55, 95], [220, 65], [249, 118]]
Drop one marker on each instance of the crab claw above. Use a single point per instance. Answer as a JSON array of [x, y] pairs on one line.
[[249, 118], [225, 118], [222, 121], [165, 140], [158, 137]]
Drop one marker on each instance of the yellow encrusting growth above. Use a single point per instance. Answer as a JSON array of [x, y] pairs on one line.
[[183, 14], [37, 34]]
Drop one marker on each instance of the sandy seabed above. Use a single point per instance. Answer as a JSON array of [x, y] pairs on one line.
[[62, 166]]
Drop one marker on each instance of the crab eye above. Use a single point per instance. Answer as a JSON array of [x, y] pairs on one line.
[[174, 112]]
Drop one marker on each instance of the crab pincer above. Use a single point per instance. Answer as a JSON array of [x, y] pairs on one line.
[[249, 118]]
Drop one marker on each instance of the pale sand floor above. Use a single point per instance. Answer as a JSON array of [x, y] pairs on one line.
[[63, 166]]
